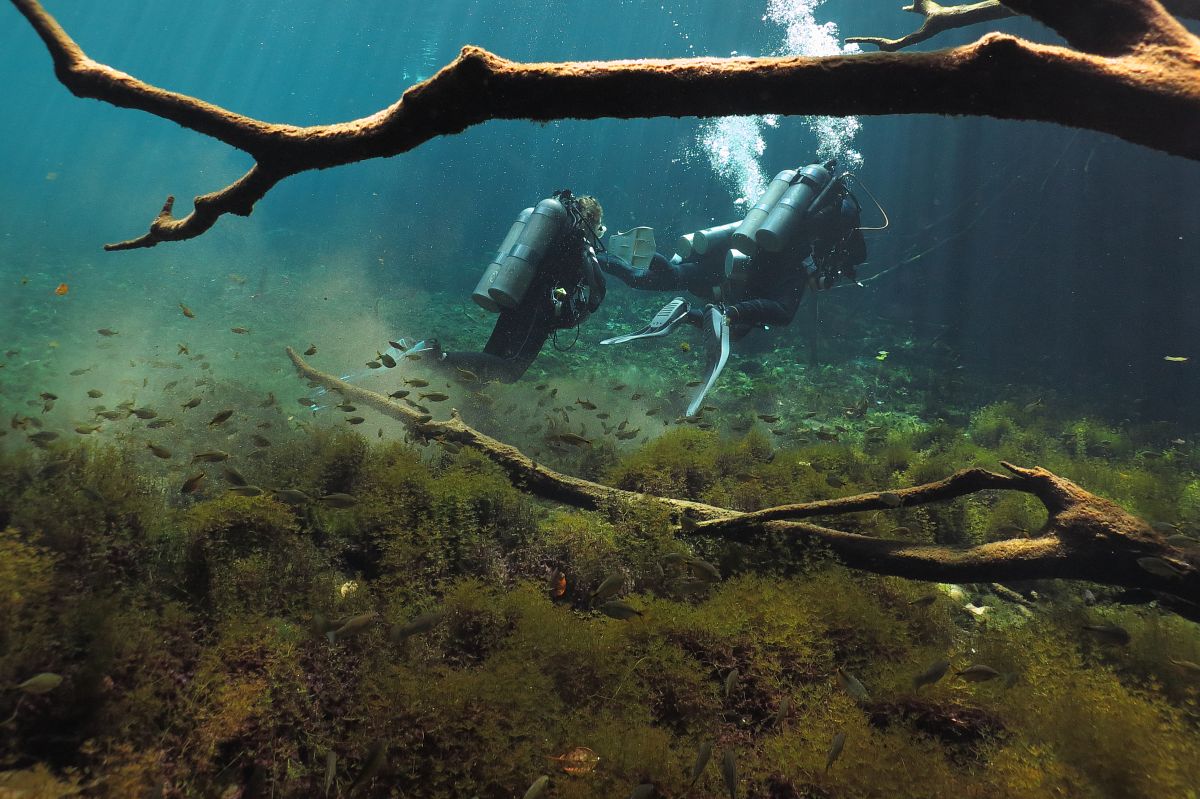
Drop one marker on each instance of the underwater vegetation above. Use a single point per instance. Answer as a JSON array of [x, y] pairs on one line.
[[441, 634]]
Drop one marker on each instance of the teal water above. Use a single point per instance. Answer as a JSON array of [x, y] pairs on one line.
[[1030, 272]]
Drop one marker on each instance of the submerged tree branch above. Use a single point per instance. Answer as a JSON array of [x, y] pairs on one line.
[[1085, 537], [1139, 80], [939, 18]]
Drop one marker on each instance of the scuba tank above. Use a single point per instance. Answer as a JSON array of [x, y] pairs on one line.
[[713, 238], [743, 237], [492, 271], [737, 265], [811, 185], [520, 266], [684, 246]]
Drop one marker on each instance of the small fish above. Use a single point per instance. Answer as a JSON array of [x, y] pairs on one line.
[[413, 356], [41, 683], [1161, 568], [356, 419], [43, 437], [434, 396], [183, 350], [835, 749], [339, 500], [62, 288], [579, 760], [704, 570], [1176, 358], [187, 311], [635, 397], [347, 407], [292, 496], [234, 476], [538, 789], [891, 499], [781, 714], [374, 365], [931, 675], [376, 759], [558, 584], [260, 440], [693, 383], [572, 439], [416, 626], [387, 360], [78, 372], [330, 769], [159, 423], [221, 417], [587, 405], [1109, 633], [466, 375], [159, 452], [95, 393], [239, 330], [977, 673], [112, 416], [352, 626], [731, 682], [401, 394], [306, 402], [192, 403], [729, 772], [609, 588], [245, 490], [851, 685], [703, 755], [85, 429], [416, 382], [619, 610], [192, 484], [769, 418], [1188, 666], [212, 456], [312, 350], [104, 331]]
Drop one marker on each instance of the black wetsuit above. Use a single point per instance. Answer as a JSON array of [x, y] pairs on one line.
[[774, 283], [521, 332]]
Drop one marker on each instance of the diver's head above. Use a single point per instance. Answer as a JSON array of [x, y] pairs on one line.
[[593, 214]]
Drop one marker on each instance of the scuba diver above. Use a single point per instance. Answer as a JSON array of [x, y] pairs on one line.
[[544, 278], [803, 232]]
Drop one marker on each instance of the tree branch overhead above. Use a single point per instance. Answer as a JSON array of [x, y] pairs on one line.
[[1150, 95]]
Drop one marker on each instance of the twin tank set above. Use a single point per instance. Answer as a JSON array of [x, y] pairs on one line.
[[773, 221]]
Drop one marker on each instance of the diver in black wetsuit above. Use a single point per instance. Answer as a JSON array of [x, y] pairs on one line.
[[545, 278], [803, 231], [766, 289]]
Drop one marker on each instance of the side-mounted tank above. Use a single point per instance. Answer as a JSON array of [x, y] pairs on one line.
[[481, 296], [520, 266]]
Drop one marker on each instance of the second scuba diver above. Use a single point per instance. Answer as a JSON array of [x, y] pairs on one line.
[[804, 231], [545, 278]]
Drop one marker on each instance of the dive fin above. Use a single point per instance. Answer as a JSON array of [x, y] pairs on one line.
[[716, 341], [663, 323]]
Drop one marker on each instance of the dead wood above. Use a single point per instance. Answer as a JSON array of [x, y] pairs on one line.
[[937, 18], [1085, 537], [1134, 73]]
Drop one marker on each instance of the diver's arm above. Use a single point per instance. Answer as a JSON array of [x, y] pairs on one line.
[[661, 275]]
